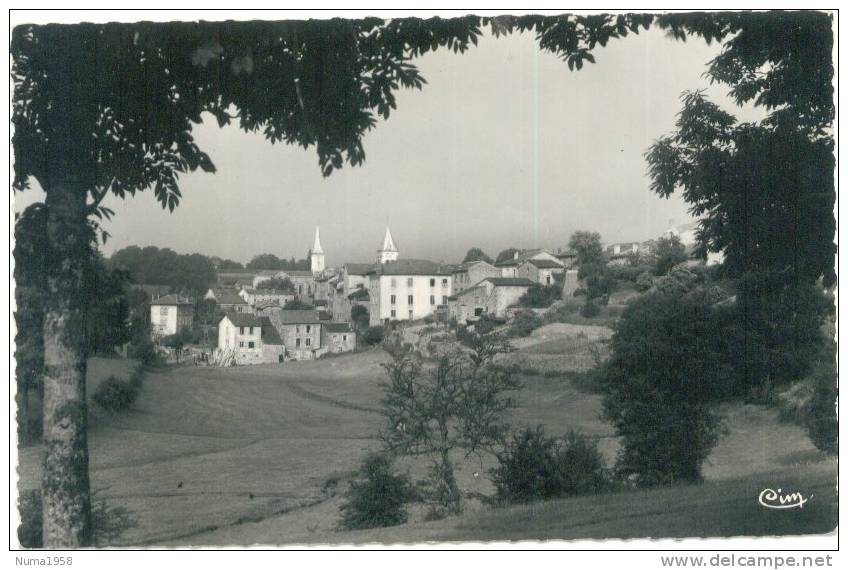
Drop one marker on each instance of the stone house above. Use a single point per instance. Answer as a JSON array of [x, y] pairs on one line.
[[509, 267], [492, 296], [169, 314], [300, 331], [338, 337], [255, 296], [471, 273], [541, 271]]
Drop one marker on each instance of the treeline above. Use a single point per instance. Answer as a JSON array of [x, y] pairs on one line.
[[271, 261], [186, 273]]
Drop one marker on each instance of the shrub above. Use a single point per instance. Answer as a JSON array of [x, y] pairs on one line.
[[589, 310], [820, 413], [378, 499], [644, 282], [524, 323], [373, 335], [115, 394], [533, 467], [539, 297], [143, 350]]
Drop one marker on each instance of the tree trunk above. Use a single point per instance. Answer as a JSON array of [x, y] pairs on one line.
[[65, 486], [452, 498]]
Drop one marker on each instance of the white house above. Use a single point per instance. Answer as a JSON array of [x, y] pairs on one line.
[[244, 338], [169, 314], [407, 289]]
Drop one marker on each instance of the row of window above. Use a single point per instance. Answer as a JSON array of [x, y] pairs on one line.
[[410, 300], [409, 282]]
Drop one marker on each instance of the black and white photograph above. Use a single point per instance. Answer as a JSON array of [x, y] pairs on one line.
[[439, 279]]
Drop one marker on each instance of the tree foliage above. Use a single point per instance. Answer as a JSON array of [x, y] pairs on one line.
[[507, 254], [587, 246], [668, 252], [269, 261], [763, 190], [476, 254], [188, 273], [459, 403], [277, 283], [378, 498]]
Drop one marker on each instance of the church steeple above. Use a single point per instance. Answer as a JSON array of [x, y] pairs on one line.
[[389, 251], [316, 254]]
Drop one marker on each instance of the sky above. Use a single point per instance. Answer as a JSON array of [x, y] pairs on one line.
[[504, 147]]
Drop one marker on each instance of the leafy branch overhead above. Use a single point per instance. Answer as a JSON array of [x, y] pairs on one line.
[[110, 108]]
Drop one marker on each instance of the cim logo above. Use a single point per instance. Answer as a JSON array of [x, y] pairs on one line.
[[772, 499]]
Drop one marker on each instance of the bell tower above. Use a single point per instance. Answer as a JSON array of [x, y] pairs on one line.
[[389, 251], [316, 255]]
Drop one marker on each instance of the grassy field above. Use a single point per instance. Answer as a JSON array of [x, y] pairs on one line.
[[241, 456]]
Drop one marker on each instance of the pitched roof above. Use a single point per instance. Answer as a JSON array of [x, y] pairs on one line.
[[243, 319], [523, 255], [338, 327], [320, 302], [464, 267], [298, 273], [358, 268], [269, 332], [508, 281], [267, 304], [410, 267], [229, 298], [325, 315], [172, 300], [545, 263], [297, 316]]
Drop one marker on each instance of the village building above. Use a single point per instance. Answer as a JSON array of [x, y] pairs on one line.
[[542, 271], [468, 274], [300, 331], [350, 289], [492, 296], [247, 339], [169, 314], [566, 257], [235, 279], [231, 301], [407, 289], [338, 337], [255, 296], [509, 267], [688, 235]]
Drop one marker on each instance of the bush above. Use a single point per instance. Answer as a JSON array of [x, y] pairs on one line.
[[108, 523], [143, 350], [378, 499], [589, 310], [116, 394], [373, 335], [524, 323], [820, 413], [539, 297], [534, 467], [644, 282]]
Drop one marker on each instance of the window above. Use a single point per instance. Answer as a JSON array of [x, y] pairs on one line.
[[444, 300], [394, 282], [444, 282], [241, 344], [409, 299], [409, 281], [308, 328], [432, 299], [163, 311], [394, 313], [297, 328], [251, 344], [394, 299], [241, 330], [308, 341], [344, 338], [548, 280], [410, 314], [297, 342], [432, 282]]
